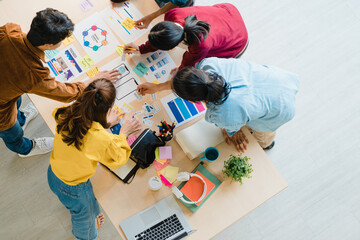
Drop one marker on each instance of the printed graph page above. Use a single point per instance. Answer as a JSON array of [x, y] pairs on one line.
[[121, 19], [180, 110], [159, 64], [96, 37]]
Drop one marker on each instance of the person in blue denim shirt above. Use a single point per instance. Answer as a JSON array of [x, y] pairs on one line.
[[238, 94]]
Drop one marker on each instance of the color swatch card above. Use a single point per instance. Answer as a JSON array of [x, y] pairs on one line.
[[122, 19], [180, 110], [96, 37], [127, 83], [159, 64], [65, 65]]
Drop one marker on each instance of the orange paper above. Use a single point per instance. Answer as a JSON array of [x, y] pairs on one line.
[[194, 188]]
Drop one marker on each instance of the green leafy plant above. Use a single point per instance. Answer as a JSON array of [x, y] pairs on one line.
[[237, 167]]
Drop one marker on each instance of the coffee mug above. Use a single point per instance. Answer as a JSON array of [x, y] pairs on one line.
[[211, 154]]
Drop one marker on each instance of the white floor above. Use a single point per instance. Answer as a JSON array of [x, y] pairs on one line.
[[318, 152]]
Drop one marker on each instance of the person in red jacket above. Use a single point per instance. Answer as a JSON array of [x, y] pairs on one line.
[[208, 31]]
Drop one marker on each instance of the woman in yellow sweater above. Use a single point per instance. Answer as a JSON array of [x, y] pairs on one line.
[[80, 142]]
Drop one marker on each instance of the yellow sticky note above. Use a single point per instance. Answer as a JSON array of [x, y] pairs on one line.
[[169, 172], [67, 41], [118, 111], [156, 82], [120, 50], [86, 62], [128, 23], [92, 72]]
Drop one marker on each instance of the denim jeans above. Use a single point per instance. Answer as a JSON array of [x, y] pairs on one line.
[[81, 202], [14, 137]]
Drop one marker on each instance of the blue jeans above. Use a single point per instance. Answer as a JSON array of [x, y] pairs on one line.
[[81, 202], [14, 137]]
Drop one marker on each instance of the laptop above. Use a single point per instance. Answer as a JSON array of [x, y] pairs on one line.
[[162, 221]]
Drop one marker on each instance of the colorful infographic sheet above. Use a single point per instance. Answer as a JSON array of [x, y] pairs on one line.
[[127, 83], [180, 110], [65, 65], [122, 20], [159, 64], [96, 37]]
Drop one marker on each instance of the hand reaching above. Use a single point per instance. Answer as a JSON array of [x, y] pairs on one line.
[[130, 126], [143, 22], [239, 139]]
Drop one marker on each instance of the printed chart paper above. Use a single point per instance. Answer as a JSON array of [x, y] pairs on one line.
[[127, 83], [160, 64], [65, 66], [121, 19], [180, 110], [96, 37]]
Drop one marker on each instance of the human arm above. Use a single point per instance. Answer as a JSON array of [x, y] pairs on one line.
[[146, 48], [149, 88], [131, 48], [194, 55], [145, 21], [238, 139], [118, 151]]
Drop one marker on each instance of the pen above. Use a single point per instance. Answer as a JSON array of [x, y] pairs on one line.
[[129, 48]]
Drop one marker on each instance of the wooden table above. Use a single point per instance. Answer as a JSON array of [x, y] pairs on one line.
[[229, 203]]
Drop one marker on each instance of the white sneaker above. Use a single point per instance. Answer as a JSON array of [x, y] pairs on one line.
[[30, 113], [41, 146]]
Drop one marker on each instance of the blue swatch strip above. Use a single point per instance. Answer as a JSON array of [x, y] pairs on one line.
[[191, 107], [175, 111], [182, 108]]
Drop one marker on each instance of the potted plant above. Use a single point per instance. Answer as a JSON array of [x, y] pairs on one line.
[[237, 167]]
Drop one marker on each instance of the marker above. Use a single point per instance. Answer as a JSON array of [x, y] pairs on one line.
[[128, 48]]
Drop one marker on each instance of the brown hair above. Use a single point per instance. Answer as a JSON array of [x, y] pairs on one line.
[[74, 121]]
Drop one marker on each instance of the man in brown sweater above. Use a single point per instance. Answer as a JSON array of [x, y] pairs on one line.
[[22, 71]]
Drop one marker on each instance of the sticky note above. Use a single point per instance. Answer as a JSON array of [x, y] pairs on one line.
[[156, 82], [157, 153], [86, 62], [128, 23], [165, 181], [86, 5], [158, 166], [120, 50], [162, 161], [141, 69], [165, 152], [67, 41], [170, 173], [51, 53], [132, 139], [92, 72]]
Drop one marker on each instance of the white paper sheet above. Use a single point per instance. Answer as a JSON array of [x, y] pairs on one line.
[[159, 63], [115, 16], [96, 37], [65, 65]]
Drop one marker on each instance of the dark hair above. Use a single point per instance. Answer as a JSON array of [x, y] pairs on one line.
[[166, 35], [74, 121], [189, 3], [196, 85], [49, 27], [118, 1]]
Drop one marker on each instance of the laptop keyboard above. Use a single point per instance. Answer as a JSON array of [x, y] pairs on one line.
[[162, 230]]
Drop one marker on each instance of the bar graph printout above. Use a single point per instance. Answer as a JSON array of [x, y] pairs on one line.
[[180, 110], [121, 19]]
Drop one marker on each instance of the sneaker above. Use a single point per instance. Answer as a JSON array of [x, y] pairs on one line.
[[40, 146], [270, 146], [30, 113]]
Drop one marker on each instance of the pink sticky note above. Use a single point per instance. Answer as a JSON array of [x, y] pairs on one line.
[[165, 152], [165, 181], [86, 5], [131, 139], [158, 166]]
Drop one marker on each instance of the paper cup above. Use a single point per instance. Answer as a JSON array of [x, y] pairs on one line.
[[155, 183]]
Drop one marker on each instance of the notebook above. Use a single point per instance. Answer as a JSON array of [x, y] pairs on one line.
[[210, 177], [199, 136]]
